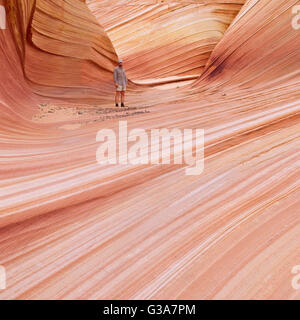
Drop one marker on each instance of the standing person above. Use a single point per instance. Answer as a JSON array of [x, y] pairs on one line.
[[120, 80]]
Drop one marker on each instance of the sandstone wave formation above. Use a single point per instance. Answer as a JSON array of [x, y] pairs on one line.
[[73, 229]]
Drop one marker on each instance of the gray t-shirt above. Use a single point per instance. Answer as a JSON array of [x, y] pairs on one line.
[[120, 76]]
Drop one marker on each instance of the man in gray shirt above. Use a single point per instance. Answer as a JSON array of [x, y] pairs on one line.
[[120, 80]]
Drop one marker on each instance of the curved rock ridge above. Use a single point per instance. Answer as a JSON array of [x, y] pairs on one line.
[[260, 50], [159, 39], [73, 229], [65, 52]]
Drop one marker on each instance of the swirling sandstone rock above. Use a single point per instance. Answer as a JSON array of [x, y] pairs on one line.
[[73, 229], [160, 39], [65, 52]]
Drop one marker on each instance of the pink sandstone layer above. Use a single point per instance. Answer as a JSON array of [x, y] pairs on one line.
[[74, 229]]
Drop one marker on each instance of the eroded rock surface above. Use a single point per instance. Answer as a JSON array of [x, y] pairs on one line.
[[74, 229]]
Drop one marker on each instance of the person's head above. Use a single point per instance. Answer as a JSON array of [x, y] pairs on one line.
[[120, 63]]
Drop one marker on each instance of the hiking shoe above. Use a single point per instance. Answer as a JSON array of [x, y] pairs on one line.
[[122, 105], [117, 104]]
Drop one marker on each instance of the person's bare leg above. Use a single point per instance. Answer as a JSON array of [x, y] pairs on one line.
[[123, 98], [117, 98]]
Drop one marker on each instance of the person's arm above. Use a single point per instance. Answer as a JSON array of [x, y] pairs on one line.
[[115, 78]]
